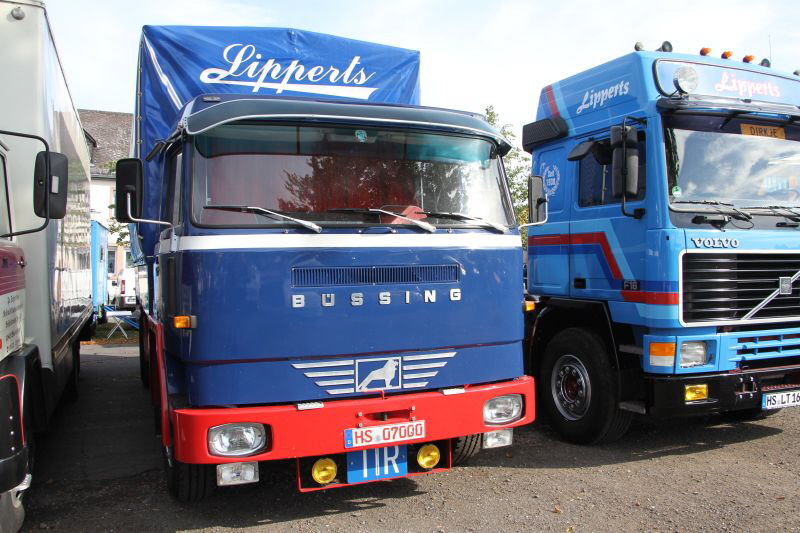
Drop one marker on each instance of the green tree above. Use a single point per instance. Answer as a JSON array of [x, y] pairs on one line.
[[518, 167]]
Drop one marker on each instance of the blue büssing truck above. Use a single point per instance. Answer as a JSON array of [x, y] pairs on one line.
[[663, 247], [99, 242], [328, 272]]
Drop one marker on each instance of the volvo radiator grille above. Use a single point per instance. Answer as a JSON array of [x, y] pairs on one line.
[[731, 287], [373, 275]]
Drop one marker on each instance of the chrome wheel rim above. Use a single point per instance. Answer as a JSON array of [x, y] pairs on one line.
[[571, 387]]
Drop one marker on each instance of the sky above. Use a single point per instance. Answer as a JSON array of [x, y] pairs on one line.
[[474, 53]]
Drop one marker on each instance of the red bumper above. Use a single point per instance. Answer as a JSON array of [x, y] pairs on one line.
[[305, 433]]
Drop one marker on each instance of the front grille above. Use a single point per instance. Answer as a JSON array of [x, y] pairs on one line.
[[725, 287], [373, 275]]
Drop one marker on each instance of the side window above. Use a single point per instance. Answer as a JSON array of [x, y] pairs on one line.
[[5, 221], [595, 180]]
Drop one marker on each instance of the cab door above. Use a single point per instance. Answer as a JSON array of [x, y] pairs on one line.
[[548, 244], [607, 247]]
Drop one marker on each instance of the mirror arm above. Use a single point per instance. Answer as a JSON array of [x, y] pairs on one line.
[[144, 220], [541, 222], [48, 188]]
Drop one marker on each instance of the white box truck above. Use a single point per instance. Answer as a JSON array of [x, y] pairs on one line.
[[45, 265]]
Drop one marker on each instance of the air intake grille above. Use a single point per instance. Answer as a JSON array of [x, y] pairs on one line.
[[726, 287], [373, 275]]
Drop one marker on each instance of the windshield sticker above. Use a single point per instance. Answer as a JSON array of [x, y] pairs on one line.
[[592, 99], [677, 192], [763, 131], [551, 177], [361, 135]]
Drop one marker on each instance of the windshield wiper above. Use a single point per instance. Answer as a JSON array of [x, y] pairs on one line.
[[462, 216], [723, 208], [372, 211], [265, 212], [778, 211]]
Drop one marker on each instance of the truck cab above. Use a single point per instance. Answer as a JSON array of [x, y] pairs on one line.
[[331, 281], [663, 247]]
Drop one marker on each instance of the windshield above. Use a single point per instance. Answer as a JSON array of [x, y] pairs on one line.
[[740, 161], [336, 175]]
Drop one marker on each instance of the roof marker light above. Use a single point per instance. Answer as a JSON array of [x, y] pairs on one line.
[[796, 72], [705, 51], [748, 58], [638, 46], [765, 63], [726, 54], [666, 46]]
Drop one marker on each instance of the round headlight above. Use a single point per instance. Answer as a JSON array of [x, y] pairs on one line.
[[685, 79]]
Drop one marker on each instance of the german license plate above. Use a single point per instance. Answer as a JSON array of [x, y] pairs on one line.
[[377, 435], [779, 400], [376, 463]]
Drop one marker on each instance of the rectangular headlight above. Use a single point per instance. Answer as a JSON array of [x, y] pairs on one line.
[[693, 353], [503, 409], [233, 440]]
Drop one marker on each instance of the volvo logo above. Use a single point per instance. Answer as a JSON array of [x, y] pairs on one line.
[[700, 242], [358, 299]]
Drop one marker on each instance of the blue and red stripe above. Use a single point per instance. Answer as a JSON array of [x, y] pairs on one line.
[[596, 243]]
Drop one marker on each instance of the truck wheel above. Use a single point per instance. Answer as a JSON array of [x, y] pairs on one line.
[[189, 482], [578, 389], [465, 448]]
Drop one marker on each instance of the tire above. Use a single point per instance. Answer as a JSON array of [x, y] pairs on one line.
[[189, 482], [71, 391], [465, 448], [578, 389]]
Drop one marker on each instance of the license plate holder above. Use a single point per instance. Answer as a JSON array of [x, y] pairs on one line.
[[780, 400], [385, 434], [377, 463]]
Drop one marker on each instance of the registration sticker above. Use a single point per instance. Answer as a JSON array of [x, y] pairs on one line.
[[763, 131], [376, 435], [779, 400]]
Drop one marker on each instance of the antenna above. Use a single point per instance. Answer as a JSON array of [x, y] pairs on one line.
[[769, 41]]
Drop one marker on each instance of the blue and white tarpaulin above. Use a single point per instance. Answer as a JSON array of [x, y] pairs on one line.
[[178, 63]]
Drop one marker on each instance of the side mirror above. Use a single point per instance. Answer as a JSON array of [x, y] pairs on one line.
[[625, 161], [129, 184], [50, 191], [537, 201]]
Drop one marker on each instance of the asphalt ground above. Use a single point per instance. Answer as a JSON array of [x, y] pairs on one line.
[[99, 469]]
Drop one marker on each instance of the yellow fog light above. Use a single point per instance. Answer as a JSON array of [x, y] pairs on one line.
[[428, 456], [693, 393], [324, 471]]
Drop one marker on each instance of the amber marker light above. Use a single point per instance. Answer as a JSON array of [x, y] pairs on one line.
[[184, 322], [726, 54], [705, 51], [528, 306], [693, 393], [748, 58]]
